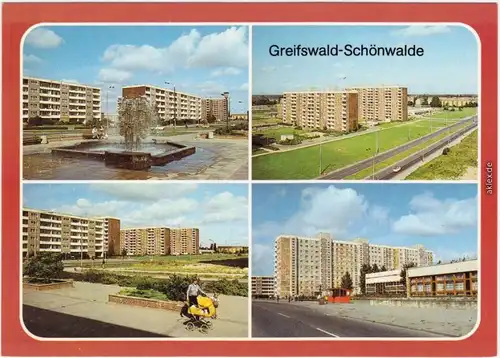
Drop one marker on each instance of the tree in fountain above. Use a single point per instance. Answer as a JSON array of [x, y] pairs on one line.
[[135, 118]]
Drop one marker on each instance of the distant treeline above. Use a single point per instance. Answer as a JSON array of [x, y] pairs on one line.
[[264, 99]]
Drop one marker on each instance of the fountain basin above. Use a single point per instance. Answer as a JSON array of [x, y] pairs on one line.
[[115, 155]]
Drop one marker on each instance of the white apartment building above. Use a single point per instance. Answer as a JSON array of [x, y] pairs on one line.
[[321, 110], [59, 101], [46, 231], [171, 106], [263, 286], [303, 264], [382, 104]]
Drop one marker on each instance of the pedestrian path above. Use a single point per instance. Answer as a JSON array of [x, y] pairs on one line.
[[88, 300]]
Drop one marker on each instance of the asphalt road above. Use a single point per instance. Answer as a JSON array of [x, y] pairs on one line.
[[366, 163], [271, 319], [388, 173]]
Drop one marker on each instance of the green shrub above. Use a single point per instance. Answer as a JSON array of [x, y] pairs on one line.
[[174, 287], [44, 267]]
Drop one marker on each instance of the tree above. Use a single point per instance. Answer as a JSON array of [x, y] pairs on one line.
[[44, 266], [35, 121], [135, 117], [346, 282], [211, 118], [383, 268], [124, 253], [403, 272], [362, 277], [424, 101], [410, 104], [375, 268], [435, 102]]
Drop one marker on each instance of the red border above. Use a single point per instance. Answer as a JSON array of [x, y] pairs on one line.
[[17, 18]]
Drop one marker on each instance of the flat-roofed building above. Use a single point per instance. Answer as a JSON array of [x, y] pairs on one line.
[[382, 104], [216, 107], [386, 283], [321, 110], [171, 106], [263, 287], [158, 241], [451, 279], [70, 235], [60, 101], [304, 264]]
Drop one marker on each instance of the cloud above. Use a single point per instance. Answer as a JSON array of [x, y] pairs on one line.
[[225, 207], [212, 88], [244, 87], [432, 217], [228, 71], [142, 192], [262, 259], [221, 217], [328, 209], [70, 81], [111, 75], [43, 38], [419, 30], [268, 69], [191, 50], [31, 59]]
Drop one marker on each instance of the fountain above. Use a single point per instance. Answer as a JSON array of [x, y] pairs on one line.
[[136, 117]]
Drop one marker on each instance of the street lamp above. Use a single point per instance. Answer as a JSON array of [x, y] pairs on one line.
[[226, 97], [175, 102], [375, 154], [107, 107]]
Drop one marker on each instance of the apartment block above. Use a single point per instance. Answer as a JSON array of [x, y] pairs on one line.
[[170, 105], [382, 104], [60, 101], [263, 286], [321, 110], [303, 266], [73, 236], [159, 241], [217, 107]]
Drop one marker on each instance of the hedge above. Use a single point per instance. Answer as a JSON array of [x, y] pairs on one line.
[[174, 287]]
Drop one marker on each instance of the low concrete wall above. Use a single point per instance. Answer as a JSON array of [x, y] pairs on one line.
[[146, 302], [451, 303], [48, 286], [173, 155]]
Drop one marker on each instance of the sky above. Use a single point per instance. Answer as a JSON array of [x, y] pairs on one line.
[[202, 60], [442, 217], [449, 64], [220, 211]]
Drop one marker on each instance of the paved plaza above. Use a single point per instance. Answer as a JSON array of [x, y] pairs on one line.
[[84, 311], [215, 159]]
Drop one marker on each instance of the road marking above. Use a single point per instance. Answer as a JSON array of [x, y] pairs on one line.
[[326, 332], [284, 315]]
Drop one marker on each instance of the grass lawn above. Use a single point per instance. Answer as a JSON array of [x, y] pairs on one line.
[[189, 258], [304, 163], [277, 132], [386, 163], [452, 166], [191, 268], [456, 114]]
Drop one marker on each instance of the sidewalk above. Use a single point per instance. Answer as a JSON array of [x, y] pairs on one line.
[[88, 300], [452, 322]]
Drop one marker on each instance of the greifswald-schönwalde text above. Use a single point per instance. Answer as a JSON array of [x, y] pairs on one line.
[[347, 50]]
